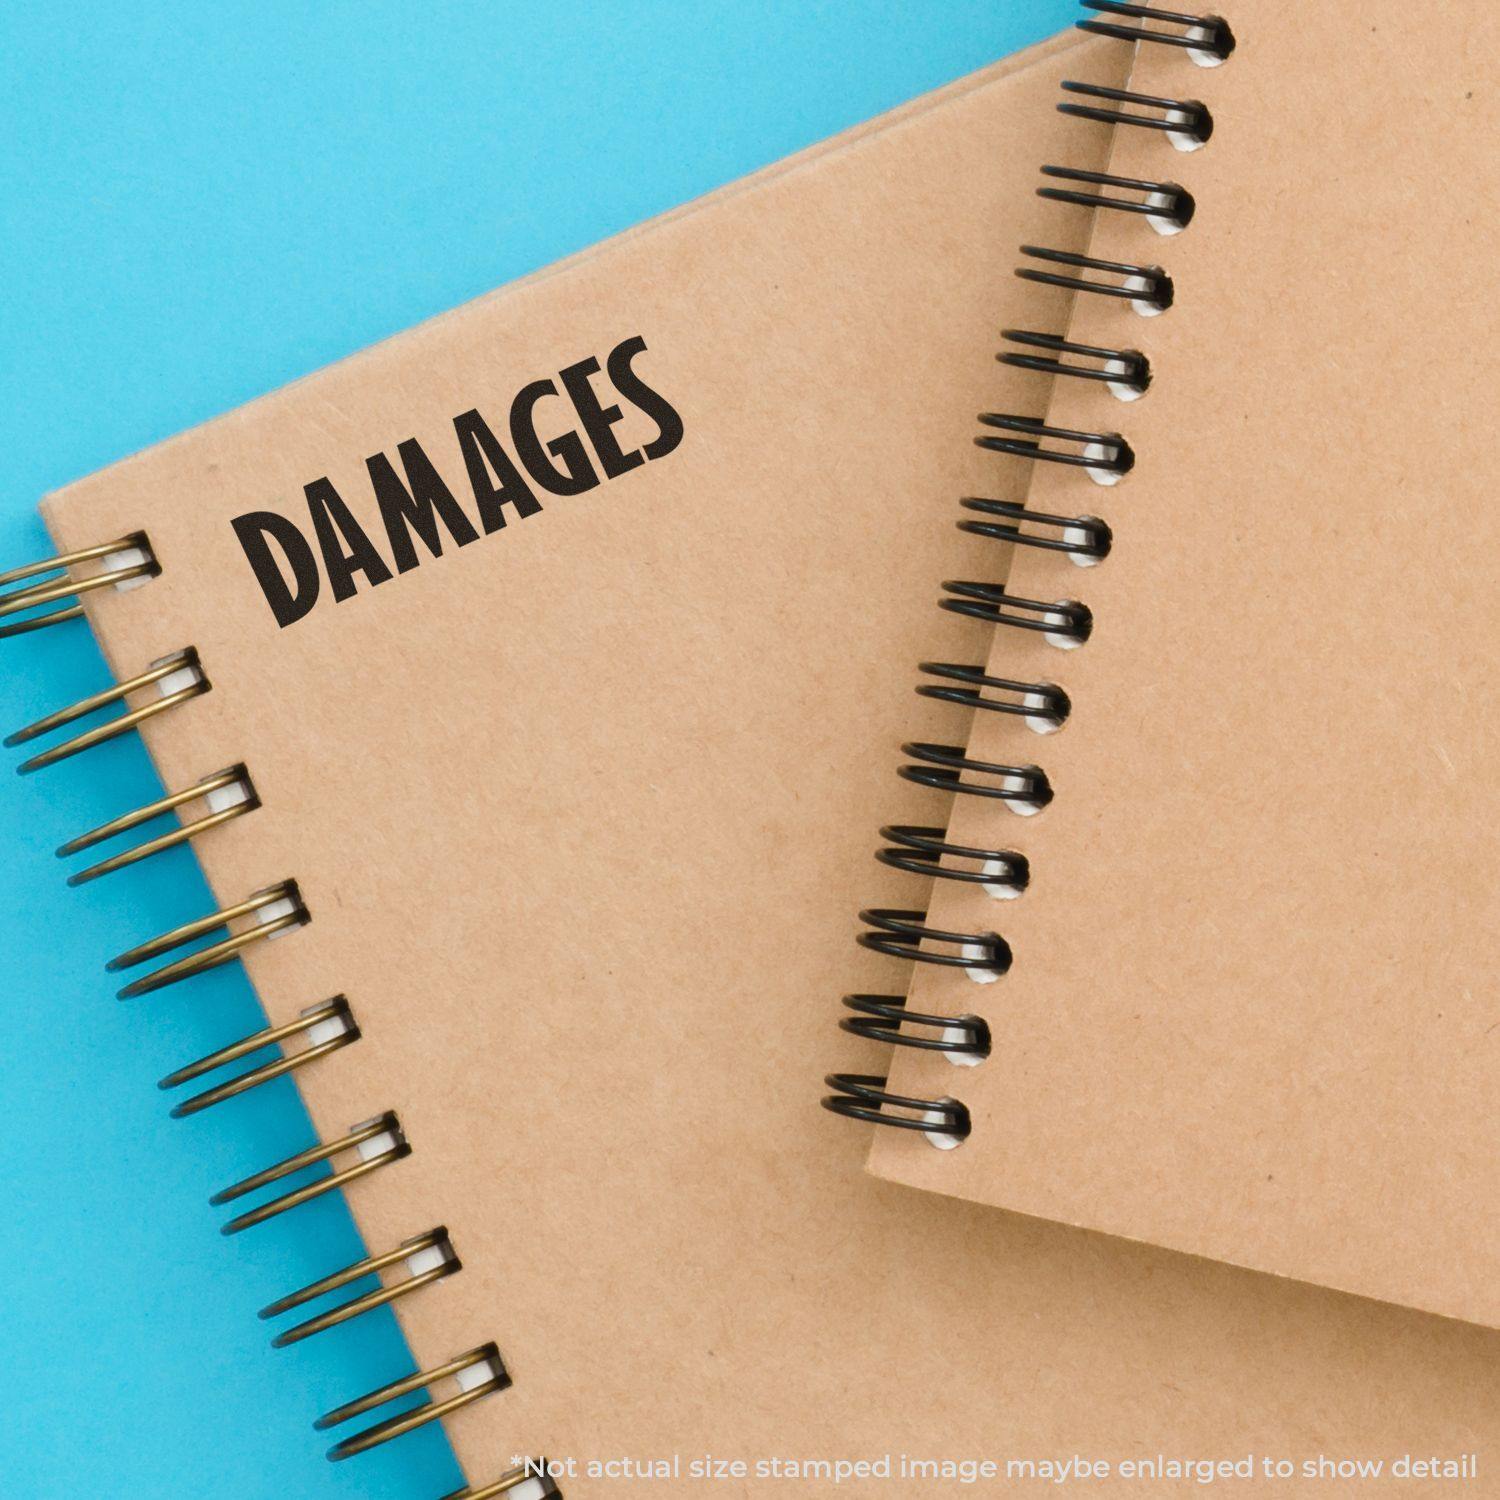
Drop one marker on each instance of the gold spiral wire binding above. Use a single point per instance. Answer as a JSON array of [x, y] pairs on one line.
[[393, 1427], [180, 661], [535, 1468], [434, 1240], [204, 959], [386, 1124], [48, 582], [219, 781], [49, 590], [334, 1010]]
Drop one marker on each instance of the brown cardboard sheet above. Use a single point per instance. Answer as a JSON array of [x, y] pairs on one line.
[[1253, 1010], [583, 810]]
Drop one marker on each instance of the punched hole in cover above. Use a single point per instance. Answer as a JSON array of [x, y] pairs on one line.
[[533, 1487], [960, 1033], [186, 676], [1020, 806], [1145, 306], [999, 890], [1061, 614], [340, 1023], [483, 1372], [1164, 223], [285, 906], [1042, 721], [980, 951], [128, 557], [1104, 452], [430, 1257], [1184, 140], [222, 798], [1121, 390], [941, 1140], [1202, 55], [1083, 536], [380, 1144]]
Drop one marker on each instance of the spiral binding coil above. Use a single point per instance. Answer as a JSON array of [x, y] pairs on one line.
[[176, 678], [1103, 453], [477, 1372], [377, 1143], [1043, 705], [427, 1258], [1168, 205], [1148, 288], [48, 593], [232, 787], [1208, 35], [327, 1028], [942, 766], [864, 1096], [1126, 371], [922, 850], [53, 582], [275, 909], [902, 933], [1062, 621], [1187, 122], [1083, 540]]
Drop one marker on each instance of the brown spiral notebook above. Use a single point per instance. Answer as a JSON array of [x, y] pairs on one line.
[[1251, 1009], [569, 818]]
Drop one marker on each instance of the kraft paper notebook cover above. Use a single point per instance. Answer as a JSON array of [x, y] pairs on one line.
[[571, 818], [1252, 1010]]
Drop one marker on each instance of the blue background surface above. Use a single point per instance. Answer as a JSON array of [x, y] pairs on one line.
[[201, 203]]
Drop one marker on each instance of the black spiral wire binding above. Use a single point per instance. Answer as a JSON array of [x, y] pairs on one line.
[[1209, 35], [1041, 703], [47, 593], [1127, 369], [1148, 287], [1167, 202], [1188, 119], [864, 1096], [1084, 540], [880, 1017], [1103, 453], [1060, 620], [942, 767], [921, 851], [902, 933]]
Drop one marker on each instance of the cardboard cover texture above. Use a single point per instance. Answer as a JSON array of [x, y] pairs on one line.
[[1253, 1010], [582, 811]]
